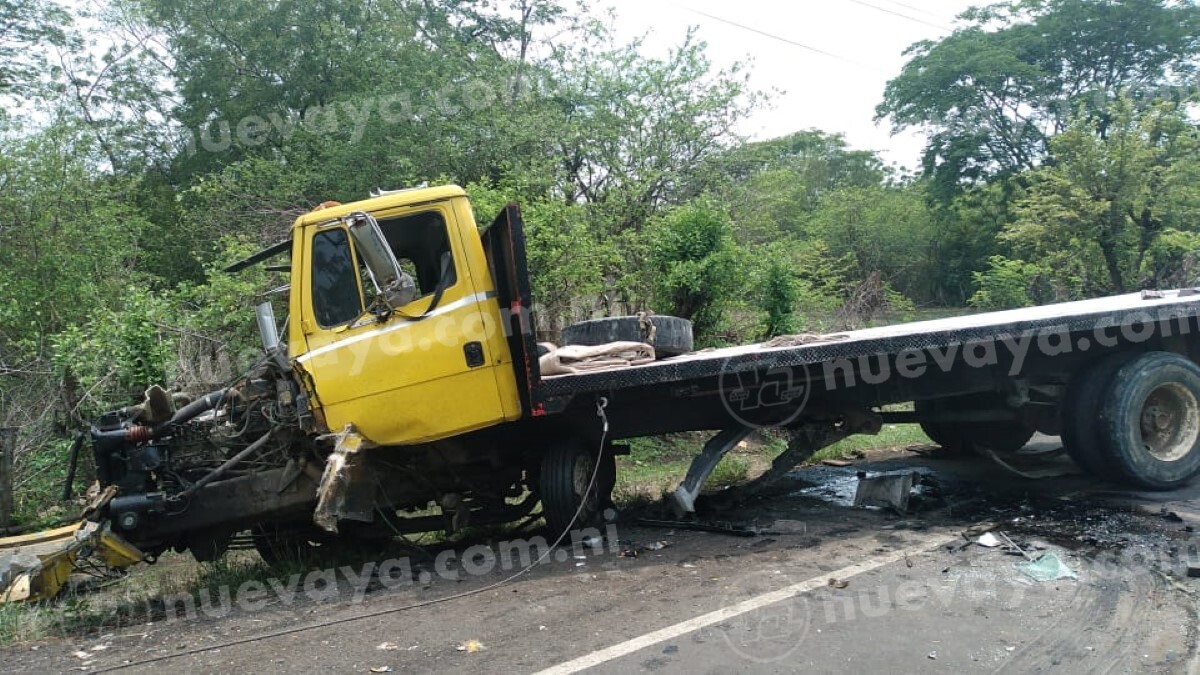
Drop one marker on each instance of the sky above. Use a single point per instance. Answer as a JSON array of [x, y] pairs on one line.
[[850, 49]]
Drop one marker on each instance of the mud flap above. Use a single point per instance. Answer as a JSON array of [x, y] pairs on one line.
[[347, 489]]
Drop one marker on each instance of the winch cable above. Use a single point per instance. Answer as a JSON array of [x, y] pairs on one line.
[[601, 404]]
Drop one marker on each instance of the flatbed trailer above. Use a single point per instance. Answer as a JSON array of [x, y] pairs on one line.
[[991, 378]]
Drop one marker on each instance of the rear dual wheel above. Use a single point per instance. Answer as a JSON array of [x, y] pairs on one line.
[[1150, 421], [1081, 410], [1136, 418]]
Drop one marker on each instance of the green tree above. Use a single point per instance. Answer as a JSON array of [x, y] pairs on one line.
[[992, 93], [26, 27], [1096, 211], [694, 260], [1006, 284], [881, 229]]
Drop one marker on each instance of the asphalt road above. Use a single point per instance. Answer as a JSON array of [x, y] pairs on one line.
[[825, 588]]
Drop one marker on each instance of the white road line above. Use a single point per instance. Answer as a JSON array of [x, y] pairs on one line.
[[724, 614]]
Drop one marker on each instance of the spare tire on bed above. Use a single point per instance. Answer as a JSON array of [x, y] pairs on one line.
[[669, 335]]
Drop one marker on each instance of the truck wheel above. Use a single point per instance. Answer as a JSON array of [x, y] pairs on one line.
[[1081, 407], [1001, 437], [946, 435], [1150, 420], [672, 336], [567, 472]]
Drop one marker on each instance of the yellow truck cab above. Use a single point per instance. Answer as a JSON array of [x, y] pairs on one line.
[[436, 366]]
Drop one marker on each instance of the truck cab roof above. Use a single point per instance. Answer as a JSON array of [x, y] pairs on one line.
[[383, 202]]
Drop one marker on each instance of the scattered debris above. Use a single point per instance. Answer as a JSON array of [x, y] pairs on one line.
[[387, 646], [592, 541], [915, 525], [671, 649], [1049, 567], [1170, 516], [471, 646], [1013, 548], [1193, 562], [989, 540], [889, 490], [1054, 470], [632, 550], [840, 463], [932, 655], [976, 530], [381, 669], [700, 526], [838, 583]]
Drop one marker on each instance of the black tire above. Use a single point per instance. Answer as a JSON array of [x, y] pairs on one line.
[[1150, 421], [1002, 437], [947, 436], [1080, 433], [672, 336], [568, 471]]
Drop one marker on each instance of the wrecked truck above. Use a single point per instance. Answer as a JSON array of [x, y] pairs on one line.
[[408, 394]]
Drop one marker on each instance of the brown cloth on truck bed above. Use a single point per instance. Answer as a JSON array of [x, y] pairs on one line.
[[582, 359]]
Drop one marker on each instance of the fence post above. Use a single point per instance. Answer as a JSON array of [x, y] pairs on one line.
[[8, 447]]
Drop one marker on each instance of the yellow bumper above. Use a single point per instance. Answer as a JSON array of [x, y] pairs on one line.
[[36, 566]]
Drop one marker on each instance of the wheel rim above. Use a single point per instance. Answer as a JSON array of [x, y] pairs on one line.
[[1170, 422], [585, 466]]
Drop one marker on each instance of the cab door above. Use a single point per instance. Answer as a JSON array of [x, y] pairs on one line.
[[418, 373]]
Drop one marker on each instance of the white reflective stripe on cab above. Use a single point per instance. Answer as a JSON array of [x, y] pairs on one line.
[[444, 309]]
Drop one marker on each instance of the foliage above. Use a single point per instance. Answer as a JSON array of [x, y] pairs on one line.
[[1094, 214], [70, 240], [567, 261], [694, 262], [879, 229], [1006, 284], [781, 292], [26, 25], [995, 91], [797, 283]]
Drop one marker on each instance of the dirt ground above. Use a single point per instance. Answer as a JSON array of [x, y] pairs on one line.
[[819, 586]]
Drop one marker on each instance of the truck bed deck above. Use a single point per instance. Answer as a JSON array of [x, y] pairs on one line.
[[1102, 316]]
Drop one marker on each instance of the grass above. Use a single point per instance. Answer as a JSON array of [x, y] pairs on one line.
[[131, 601], [892, 436], [656, 465]]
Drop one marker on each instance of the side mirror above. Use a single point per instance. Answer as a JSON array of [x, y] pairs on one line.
[[392, 285]]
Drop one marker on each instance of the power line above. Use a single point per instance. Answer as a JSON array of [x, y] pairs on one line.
[[902, 15], [774, 36], [914, 8]]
